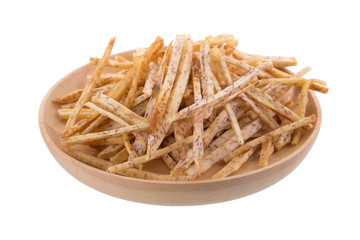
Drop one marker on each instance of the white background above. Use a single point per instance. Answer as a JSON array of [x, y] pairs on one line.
[[42, 41]]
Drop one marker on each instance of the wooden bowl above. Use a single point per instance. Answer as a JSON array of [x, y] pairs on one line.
[[247, 180]]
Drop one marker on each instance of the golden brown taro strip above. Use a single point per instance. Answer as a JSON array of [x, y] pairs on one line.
[[182, 78], [169, 161], [316, 84], [65, 113], [74, 95], [122, 123], [86, 94], [213, 41], [226, 148], [89, 159], [225, 136], [216, 125], [140, 143], [110, 151], [222, 67], [257, 62], [161, 126], [266, 137], [234, 123], [207, 77], [120, 89], [240, 55], [260, 112], [120, 157], [151, 79], [184, 163], [168, 141], [156, 76], [158, 81], [219, 39], [140, 108], [134, 83], [106, 142], [280, 62], [130, 149], [198, 143], [122, 86], [117, 108], [158, 112], [246, 67], [247, 115], [131, 172], [305, 70], [120, 58], [283, 140], [284, 69], [158, 153], [85, 123], [69, 97], [107, 113], [231, 115], [70, 105], [215, 67], [277, 61], [114, 117], [240, 113], [229, 149], [78, 139], [256, 125], [112, 63], [236, 88], [81, 124], [187, 160], [302, 109], [230, 46], [272, 104], [234, 165], [267, 148], [135, 173], [139, 99], [183, 128], [108, 78], [278, 73], [179, 153]]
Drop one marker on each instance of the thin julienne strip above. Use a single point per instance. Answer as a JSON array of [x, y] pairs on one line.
[[86, 94]]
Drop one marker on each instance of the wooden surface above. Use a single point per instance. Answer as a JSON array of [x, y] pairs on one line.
[[247, 180]]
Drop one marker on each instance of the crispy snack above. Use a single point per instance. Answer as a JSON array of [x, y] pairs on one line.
[[190, 104], [86, 94], [316, 85], [112, 63], [268, 136], [198, 144], [234, 165], [207, 77], [303, 99], [89, 159], [171, 93], [158, 112], [77, 139], [267, 148]]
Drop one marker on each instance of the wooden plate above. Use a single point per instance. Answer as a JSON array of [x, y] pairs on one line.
[[249, 179]]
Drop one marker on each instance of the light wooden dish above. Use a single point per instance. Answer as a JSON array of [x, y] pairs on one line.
[[249, 179]]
